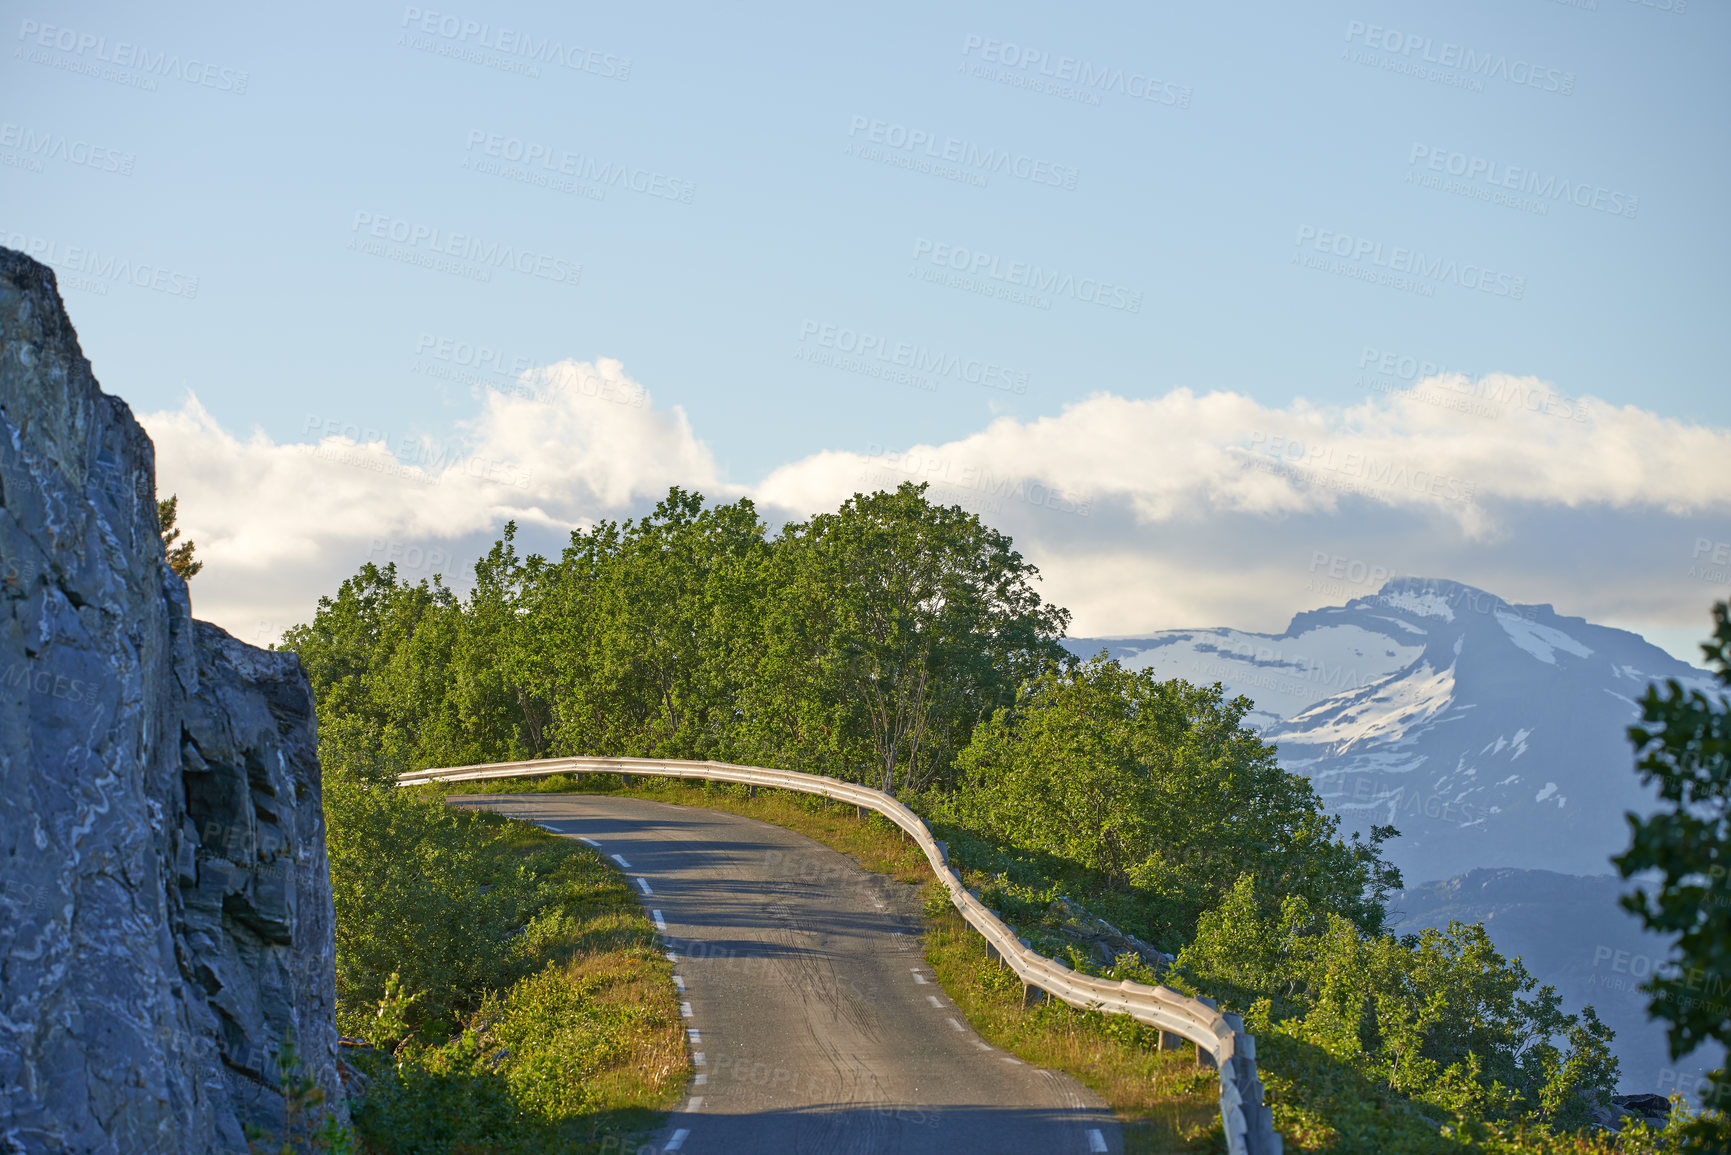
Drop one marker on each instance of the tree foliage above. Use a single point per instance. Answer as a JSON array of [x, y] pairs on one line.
[[179, 557], [890, 628], [635, 641], [865, 643], [1683, 744], [1160, 787], [1439, 1017]]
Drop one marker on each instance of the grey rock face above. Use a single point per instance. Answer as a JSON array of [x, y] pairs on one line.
[[165, 905]]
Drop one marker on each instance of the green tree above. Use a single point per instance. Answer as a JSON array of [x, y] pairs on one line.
[[179, 557], [1684, 745], [376, 698], [638, 635], [1160, 787], [480, 702], [891, 628]]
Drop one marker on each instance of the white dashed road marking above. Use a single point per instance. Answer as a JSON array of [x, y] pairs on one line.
[[695, 1035], [935, 1001], [621, 861], [919, 978], [660, 923], [955, 1024], [643, 885], [696, 1102], [677, 1139], [700, 1078], [679, 982], [685, 1010], [590, 841], [1096, 1141]]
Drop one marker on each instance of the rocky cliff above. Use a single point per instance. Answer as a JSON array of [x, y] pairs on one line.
[[165, 904]]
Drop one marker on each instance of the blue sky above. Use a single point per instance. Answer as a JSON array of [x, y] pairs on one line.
[[1305, 206]]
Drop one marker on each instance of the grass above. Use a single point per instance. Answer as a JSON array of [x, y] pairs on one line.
[[1163, 1101], [583, 1050]]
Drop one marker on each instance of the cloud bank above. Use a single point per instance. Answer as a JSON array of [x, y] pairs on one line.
[[1184, 509], [278, 525]]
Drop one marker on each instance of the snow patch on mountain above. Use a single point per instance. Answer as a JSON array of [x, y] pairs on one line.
[[1426, 605], [1542, 642], [1384, 712]]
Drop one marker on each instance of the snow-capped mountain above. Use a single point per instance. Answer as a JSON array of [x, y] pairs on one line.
[[1490, 734]]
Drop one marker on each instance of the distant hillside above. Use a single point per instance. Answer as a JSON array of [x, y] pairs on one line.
[[1491, 734]]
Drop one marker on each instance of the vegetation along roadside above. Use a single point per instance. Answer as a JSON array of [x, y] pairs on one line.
[[508, 987], [903, 645]]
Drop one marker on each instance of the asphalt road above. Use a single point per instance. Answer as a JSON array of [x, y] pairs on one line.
[[815, 1024]]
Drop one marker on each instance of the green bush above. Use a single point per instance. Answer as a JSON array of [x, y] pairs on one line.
[[436, 906], [560, 1061], [420, 897], [514, 989]]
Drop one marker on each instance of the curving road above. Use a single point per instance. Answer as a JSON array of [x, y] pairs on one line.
[[814, 1022]]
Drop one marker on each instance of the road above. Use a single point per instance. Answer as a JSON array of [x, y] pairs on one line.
[[815, 1024]]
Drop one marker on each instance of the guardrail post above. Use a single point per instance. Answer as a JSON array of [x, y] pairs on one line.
[[1170, 1041], [1203, 1058], [1032, 995]]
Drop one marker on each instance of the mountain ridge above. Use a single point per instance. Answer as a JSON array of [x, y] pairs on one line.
[[1491, 733]]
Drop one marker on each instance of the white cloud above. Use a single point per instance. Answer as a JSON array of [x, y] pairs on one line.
[[1181, 454], [1179, 510], [1194, 510], [279, 524]]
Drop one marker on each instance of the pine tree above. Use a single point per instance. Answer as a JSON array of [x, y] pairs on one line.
[[180, 558]]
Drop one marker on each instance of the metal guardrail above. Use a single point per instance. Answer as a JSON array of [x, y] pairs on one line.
[[1248, 1122]]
